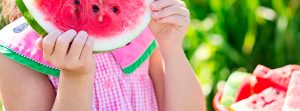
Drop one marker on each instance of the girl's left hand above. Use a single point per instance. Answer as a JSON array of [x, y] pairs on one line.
[[170, 21]]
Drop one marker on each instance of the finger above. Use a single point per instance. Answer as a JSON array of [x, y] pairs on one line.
[[177, 20], [48, 43], [77, 45], [63, 42], [181, 3], [160, 4], [172, 10], [38, 43], [87, 50]]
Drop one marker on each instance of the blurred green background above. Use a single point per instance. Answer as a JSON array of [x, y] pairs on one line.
[[231, 35]]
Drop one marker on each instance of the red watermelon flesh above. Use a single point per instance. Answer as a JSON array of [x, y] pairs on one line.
[[112, 23], [246, 88], [91, 15], [270, 99], [292, 100], [278, 78]]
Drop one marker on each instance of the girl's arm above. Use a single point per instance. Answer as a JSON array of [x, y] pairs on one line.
[[23, 89], [74, 93], [176, 85], [72, 53]]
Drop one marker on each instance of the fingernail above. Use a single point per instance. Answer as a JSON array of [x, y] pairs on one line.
[[82, 31], [72, 30], [56, 31], [59, 31]]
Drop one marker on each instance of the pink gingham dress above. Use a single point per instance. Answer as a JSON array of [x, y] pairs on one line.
[[116, 91], [122, 81]]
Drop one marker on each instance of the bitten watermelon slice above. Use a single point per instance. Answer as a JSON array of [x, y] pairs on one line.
[[112, 23], [278, 78], [270, 99]]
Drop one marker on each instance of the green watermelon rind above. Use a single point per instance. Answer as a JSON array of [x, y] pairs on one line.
[[42, 27], [231, 88], [30, 20]]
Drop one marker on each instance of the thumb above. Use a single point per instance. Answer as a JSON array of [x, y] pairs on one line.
[[38, 43]]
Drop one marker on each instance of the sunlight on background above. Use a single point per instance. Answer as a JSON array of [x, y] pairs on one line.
[[230, 35]]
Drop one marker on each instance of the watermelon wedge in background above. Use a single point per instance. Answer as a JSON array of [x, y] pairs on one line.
[[265, 90], [112, 23], [292, 100], [278, 78], [270, 99]]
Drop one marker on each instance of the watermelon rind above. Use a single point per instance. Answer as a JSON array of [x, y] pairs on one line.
[[232, 86], [29, 18], [35, 18]]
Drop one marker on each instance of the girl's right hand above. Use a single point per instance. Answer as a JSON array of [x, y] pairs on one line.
[[69, 51]]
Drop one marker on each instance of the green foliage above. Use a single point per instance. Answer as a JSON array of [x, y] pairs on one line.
[[230, 35], [2, 22]]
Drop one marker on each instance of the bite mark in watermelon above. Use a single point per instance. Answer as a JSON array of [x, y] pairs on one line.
[[292, 100], [112, 23]]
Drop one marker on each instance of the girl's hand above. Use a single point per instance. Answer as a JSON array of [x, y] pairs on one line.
[[170, 21], [70, 51]]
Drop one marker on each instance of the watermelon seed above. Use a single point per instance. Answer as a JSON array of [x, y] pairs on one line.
[[77, 12], [277, 92], [115, 9], [76, 2], [95, 8], [254, 102]]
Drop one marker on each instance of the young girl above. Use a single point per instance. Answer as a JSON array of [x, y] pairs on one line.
[[165, 81]]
